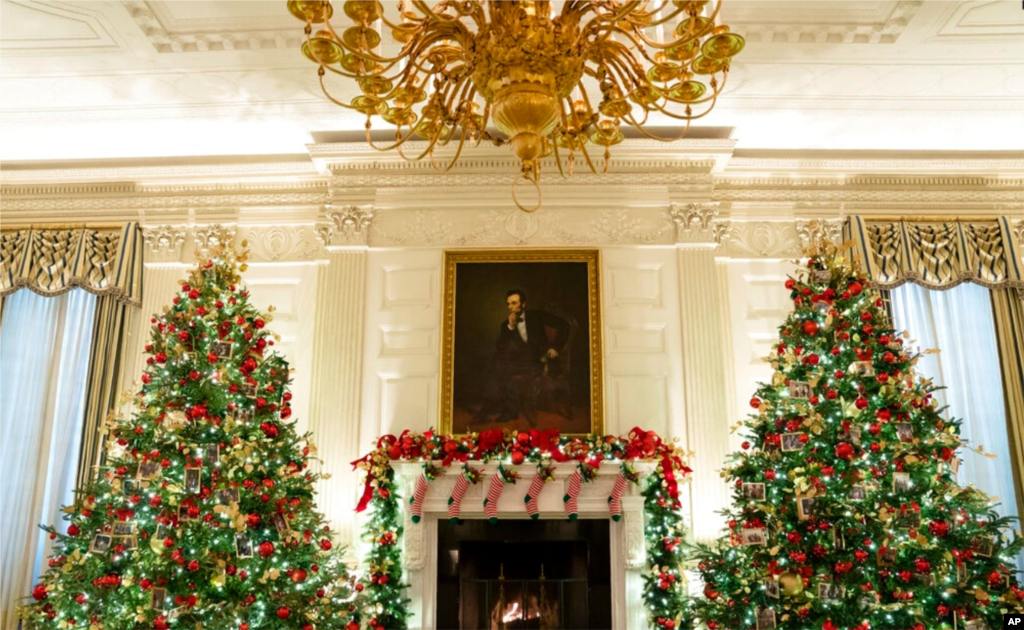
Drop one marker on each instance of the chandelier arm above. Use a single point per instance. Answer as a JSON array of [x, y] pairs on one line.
[[455, 158], [707, 99], [323, 88], [716, 90], [626, 9], [586, 156], [665, 18], [688, 117], [632, 36], [358, 53], [558, 160], [429, 149], [453, 97], [623, 69], [678, 42], [401, 140]]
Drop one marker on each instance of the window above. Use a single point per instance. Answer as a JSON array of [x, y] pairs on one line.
[[44, 364], [959, 323]]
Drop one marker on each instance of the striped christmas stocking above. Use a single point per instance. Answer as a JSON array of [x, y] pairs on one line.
[[493, 494], [571, 495], [536, 485], [467, 478], [416, 502], [615, 500]]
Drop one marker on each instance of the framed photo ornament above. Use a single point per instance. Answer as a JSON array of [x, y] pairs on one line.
[[521, 341]]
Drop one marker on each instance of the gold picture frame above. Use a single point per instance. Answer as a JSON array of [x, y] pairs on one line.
[[449, 398]]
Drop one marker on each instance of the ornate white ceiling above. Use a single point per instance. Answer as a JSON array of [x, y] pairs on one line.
[[138, 79]]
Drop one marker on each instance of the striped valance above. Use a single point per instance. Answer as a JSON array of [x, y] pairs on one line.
[[937, 255], [51, 262]]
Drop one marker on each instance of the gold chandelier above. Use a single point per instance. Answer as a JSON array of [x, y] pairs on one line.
[[465, 64]]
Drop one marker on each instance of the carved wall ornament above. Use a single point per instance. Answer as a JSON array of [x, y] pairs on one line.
[[814, 233], [278, 243], [763, 239], [164, 242], [209, 236], [698, 223], [350, 225]]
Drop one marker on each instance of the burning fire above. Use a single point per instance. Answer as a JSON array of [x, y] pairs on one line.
[[514, 613]]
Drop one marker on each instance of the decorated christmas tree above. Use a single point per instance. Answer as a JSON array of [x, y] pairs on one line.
[[847, 512], [202, 515]]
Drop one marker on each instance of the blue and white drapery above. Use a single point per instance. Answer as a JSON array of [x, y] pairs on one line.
[[937, 255], [56, 421]]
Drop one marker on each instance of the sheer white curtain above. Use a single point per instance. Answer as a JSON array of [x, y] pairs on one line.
[[44, 361], [959, 323]]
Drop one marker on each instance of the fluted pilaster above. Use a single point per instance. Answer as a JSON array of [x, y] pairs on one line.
[[703, 316], [337, 370]]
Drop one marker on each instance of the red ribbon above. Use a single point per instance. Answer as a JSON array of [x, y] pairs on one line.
[[367, 495], [488, 440]]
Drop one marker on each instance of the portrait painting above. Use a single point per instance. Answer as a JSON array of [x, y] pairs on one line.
[[521, 346]]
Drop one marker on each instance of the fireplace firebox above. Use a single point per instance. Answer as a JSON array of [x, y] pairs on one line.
[[522, 574]]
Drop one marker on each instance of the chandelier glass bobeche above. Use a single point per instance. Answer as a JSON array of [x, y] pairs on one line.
[[550, 84]]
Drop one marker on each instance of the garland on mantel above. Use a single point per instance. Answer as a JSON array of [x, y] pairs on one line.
[[664, 591]]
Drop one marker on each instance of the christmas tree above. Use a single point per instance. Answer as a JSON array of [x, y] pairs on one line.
[[847, 512], [202, 515]]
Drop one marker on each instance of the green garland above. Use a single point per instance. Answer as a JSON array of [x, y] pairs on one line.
[[664, 594]]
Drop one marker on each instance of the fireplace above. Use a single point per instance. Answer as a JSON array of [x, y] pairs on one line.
[[599, 562], [522, 574]]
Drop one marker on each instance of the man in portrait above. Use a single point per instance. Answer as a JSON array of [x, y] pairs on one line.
[[528, 342]]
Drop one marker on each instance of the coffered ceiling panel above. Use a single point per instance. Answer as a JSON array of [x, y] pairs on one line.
[[980, 21], [52, 28]]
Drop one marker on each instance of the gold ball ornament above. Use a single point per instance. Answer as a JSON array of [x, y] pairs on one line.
[[792, 584]]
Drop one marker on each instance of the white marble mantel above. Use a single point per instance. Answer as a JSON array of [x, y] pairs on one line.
[[628, 553]]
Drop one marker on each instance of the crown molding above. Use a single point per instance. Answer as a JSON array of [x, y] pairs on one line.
[[169, 36]]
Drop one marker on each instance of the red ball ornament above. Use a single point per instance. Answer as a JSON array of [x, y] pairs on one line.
[[755, 402], [861, 403], [325, 544], [299, 576], [855, 288], [73, 530], [845, 450], [283, 612], [790, 283], [266, 549], [39, 592], [395, 452], [518, 457], [810, 328]]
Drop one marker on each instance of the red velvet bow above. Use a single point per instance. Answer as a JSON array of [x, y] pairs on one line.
[[488, 440], [547, 442]]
